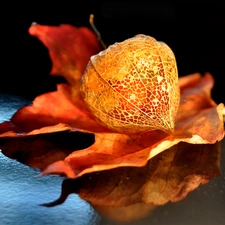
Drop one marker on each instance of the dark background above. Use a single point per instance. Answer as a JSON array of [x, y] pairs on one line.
[[194, 31]]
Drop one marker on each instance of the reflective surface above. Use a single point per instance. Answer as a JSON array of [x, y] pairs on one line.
[[21, 193]]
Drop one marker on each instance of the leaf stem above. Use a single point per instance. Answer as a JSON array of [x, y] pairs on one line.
[[91, 21]]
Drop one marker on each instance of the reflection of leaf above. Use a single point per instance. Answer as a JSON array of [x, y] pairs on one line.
[[199, 119], [169, 176]]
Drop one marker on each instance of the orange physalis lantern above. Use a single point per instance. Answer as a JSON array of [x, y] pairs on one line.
[[132, 86]]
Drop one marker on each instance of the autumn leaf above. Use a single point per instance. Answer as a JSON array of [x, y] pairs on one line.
[[200, 124], [70, 49], [168, 177], [199, 119]]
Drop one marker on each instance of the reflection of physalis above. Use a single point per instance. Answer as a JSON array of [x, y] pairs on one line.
[[126, 213], [128, 193]]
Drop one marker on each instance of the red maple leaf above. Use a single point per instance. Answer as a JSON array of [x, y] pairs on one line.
[[199, 119]]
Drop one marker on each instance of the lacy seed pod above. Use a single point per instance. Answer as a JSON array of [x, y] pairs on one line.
[[132, 86]]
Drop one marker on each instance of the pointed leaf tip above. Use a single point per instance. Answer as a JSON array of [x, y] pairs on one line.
[[59, 167]]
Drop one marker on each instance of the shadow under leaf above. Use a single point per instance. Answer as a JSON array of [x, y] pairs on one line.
[[40, 150]]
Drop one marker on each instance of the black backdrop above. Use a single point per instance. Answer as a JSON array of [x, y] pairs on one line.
[[195, 32]]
